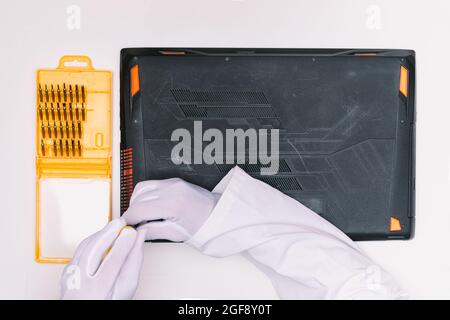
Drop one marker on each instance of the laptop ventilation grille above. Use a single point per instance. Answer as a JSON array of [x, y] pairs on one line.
[[126, 178], [223, 104], [220, 97]]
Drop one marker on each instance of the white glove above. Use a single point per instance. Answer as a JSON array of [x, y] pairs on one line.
[[181, 208], [105, 265]]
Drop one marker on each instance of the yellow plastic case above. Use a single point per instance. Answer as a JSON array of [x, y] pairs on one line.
[[73, 148]]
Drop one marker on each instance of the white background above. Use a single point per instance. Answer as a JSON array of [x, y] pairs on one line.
[[34, 34]]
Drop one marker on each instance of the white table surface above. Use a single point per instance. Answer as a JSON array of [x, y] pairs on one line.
[[34, 34]]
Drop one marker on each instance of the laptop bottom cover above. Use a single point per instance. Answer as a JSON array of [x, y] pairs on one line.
[[341, 122]]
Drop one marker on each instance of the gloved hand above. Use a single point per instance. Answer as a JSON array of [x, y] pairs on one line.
[[105, 265], [180, 207]]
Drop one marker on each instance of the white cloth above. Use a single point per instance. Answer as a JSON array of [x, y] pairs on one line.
[[304, 255]]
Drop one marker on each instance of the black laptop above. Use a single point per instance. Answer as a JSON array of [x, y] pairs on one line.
[[334, 128]]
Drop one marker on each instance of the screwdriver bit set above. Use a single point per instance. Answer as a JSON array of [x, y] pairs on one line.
[[62, 114], [73, 129]]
